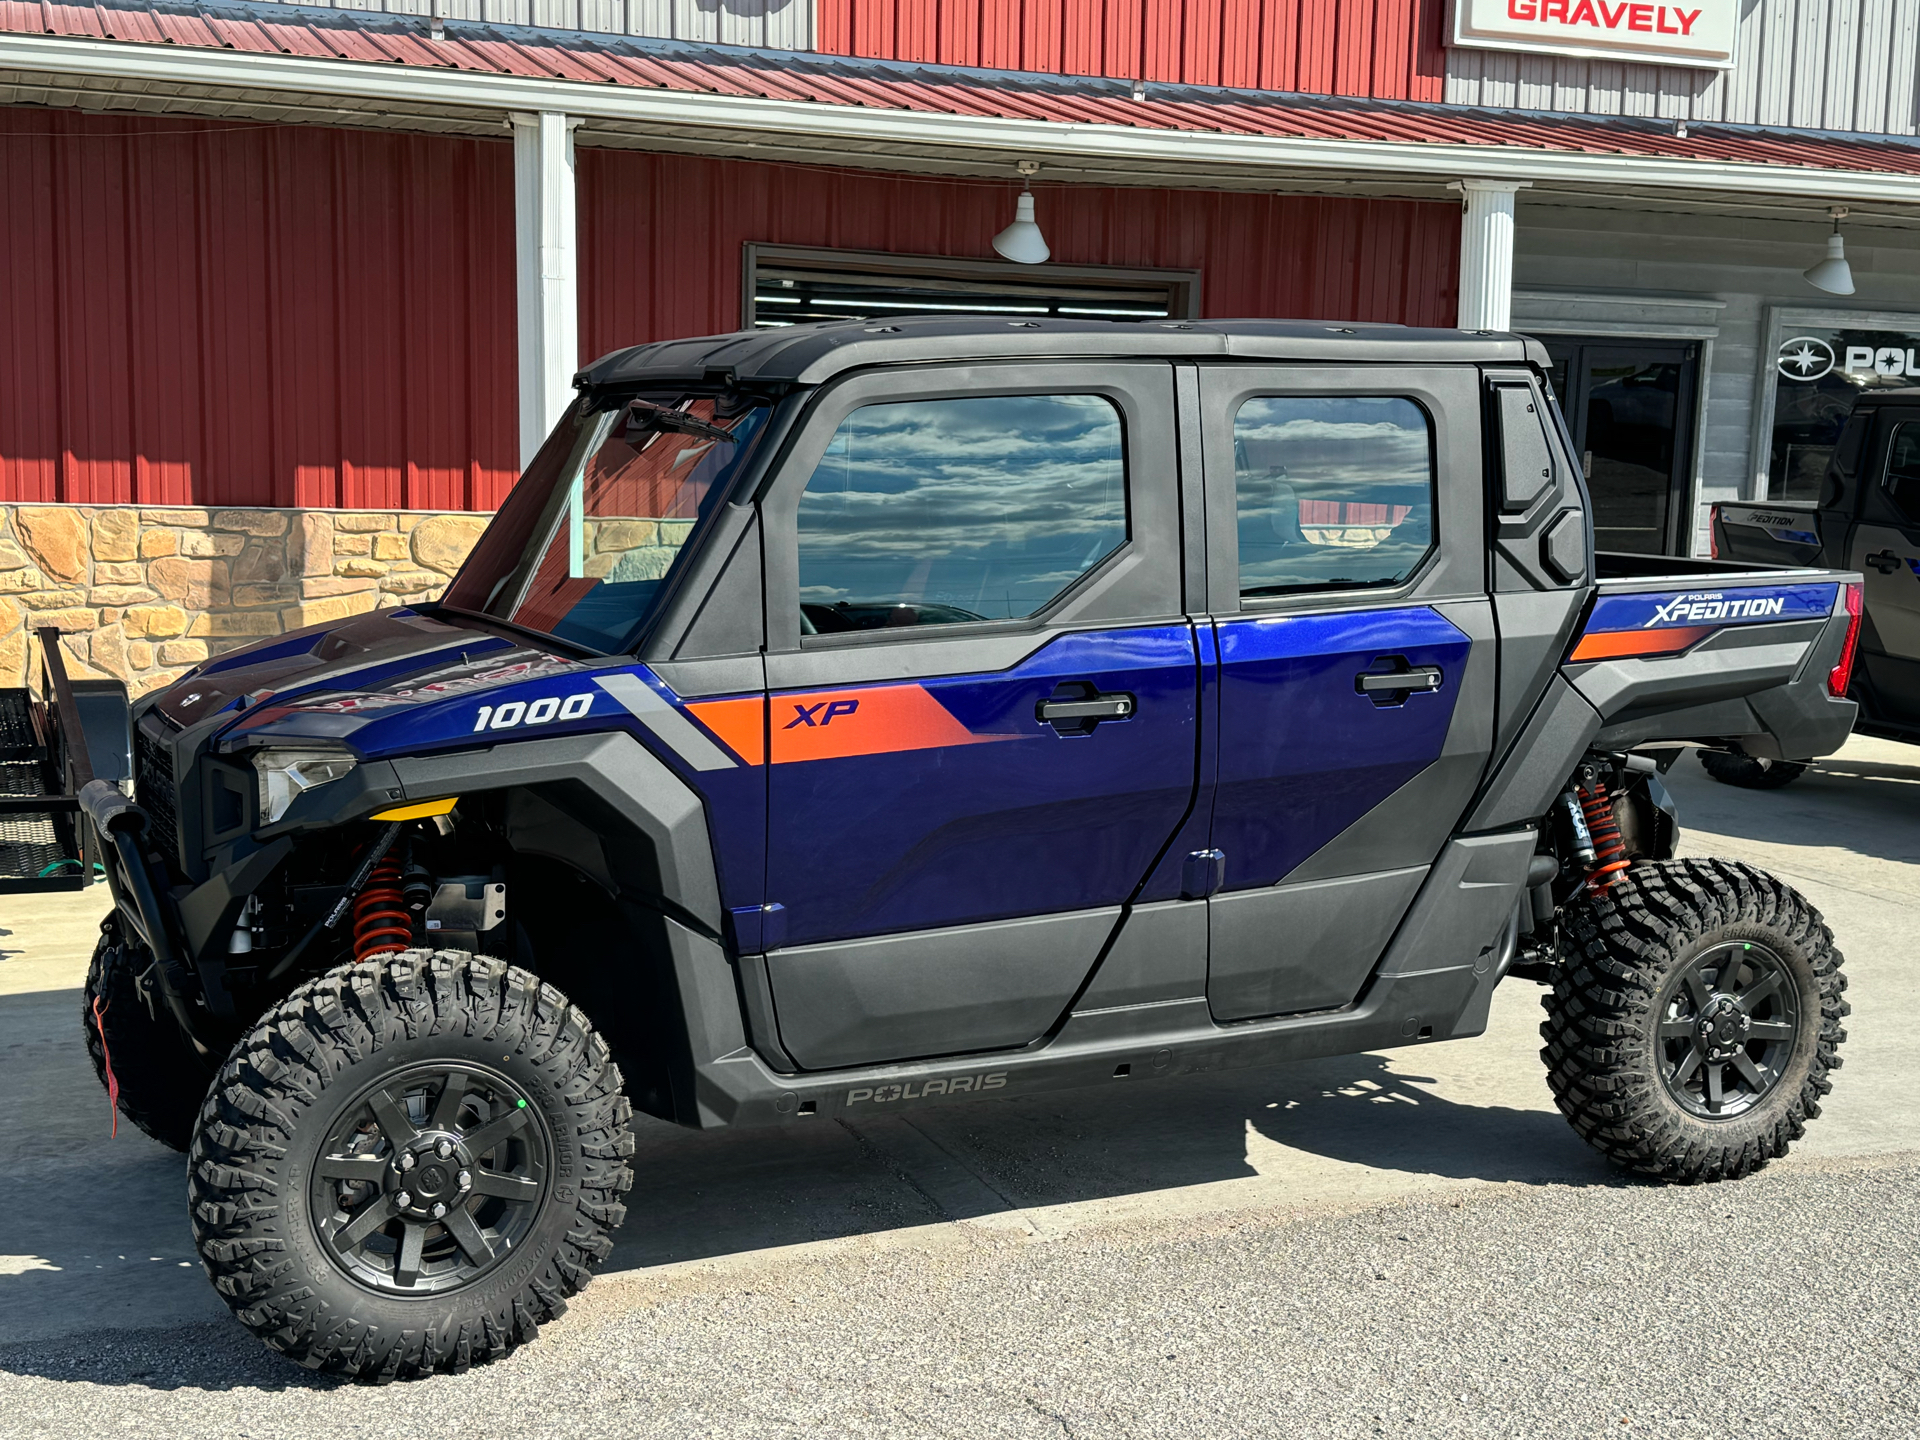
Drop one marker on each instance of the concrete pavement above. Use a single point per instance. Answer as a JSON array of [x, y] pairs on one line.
[[98, 1262]]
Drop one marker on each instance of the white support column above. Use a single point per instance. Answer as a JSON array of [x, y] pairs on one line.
[[1487, 253], [545, 272]]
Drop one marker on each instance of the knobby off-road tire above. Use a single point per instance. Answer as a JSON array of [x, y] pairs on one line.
[[1662, 969], [161, 1078], [1749, 772], [375, 1094]]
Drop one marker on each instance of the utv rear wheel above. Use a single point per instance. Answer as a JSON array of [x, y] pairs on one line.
[[1693, 1027], [409, 1165], [1749, 772], [155, 1076]]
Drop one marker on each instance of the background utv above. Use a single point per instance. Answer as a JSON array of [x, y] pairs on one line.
[[859, 716]]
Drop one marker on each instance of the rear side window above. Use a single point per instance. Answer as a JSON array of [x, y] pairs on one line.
[[1331, 492], [945, 512], [1904, 449]]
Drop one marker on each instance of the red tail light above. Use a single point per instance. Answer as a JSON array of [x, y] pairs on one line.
[[1714, 532], [1839, 677]]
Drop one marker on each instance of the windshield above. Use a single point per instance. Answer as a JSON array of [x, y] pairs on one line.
[[591, 534]]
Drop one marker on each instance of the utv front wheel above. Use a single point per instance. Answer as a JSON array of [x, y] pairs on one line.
[[156, 1078], [409, 1165], [1691, 1032]]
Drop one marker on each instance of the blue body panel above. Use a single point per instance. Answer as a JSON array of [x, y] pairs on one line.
[[1712, 606], [1027, 823], [1303, 755]]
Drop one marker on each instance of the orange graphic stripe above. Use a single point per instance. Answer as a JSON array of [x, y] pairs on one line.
[[876, 720], [1615, 644], [740, 723]]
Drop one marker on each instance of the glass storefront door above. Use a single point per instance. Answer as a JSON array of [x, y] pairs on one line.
[[1630, 404], [1819, 371]]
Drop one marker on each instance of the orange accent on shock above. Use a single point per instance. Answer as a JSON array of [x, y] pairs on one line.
[[875, 720], [106, 1064], [381, 922], [1614, 644], [741, 724], [1610, 852]]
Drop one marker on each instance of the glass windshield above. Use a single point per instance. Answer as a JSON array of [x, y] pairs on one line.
[[592, 532]]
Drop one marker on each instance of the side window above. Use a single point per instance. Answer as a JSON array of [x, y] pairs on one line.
[[1904, 449], [1331, 492], [941, 512]]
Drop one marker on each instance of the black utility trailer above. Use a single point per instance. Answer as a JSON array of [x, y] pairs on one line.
[[45, 759]]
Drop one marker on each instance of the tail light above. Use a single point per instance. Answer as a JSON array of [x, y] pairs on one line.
[[1714, 532], [1839, 677]]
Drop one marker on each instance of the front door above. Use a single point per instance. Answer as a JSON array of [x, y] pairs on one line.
[[1347, 584], [1630, 405], [982, 692]]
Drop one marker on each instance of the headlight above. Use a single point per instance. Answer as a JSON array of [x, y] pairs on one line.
[[285, 774]]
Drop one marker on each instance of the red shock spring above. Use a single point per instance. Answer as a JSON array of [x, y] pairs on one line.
[[381, 921], [1610, 852]]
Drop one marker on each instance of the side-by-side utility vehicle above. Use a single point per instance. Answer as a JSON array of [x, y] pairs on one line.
[[864, 716]]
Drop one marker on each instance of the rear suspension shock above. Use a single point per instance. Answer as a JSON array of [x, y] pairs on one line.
[[1610, 852]]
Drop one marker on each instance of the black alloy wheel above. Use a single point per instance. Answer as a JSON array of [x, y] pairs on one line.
[[428, 1180], [1728, 1025]]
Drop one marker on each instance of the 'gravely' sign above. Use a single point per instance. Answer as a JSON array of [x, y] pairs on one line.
[[1690, 32]]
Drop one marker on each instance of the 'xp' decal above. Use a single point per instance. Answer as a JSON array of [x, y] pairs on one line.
[[540, 712], [1712, 607], [804, 715]]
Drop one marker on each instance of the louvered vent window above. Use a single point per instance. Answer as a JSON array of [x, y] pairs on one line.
[[789, 286]]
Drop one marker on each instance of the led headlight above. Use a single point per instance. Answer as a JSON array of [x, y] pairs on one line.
[[285, 774]]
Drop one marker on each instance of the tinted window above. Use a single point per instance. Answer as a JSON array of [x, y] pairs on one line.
[[1331, 492], [1903, 451], [937, 512]]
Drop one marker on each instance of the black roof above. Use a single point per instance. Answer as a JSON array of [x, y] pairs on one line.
[[810, 354]]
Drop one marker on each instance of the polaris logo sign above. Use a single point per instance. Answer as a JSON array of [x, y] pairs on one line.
[[938, 1086], [1695, 32], [1695, 609]]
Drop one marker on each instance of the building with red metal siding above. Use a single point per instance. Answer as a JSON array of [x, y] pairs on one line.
[[293, 290]]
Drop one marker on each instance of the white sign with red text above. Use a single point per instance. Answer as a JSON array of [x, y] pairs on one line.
[[1680, 32]]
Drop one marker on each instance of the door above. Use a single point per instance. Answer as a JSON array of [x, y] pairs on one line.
[[1884, 551], [1347, 585], [1630, 405], [982, 698]]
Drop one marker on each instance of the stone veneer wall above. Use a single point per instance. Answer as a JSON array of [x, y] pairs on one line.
[[142, 592]]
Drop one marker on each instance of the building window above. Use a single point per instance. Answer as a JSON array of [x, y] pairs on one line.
[[1821, 364], [786, 286]]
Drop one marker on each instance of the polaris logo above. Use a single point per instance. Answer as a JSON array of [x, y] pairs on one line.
[[939, 1086], [1713, 607]]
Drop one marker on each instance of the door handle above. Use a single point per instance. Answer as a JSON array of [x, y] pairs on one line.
[[1391, 687], [1886, 561], [1078, 713]]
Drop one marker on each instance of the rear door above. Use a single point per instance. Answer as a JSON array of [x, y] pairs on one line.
[[1347, 586], [1883, 549], [981, 712]]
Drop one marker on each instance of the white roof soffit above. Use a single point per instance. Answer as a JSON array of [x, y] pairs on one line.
[[867, 129]]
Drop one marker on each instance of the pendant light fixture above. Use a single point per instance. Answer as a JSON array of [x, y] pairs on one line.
[[1833, 274], [1022, 242]]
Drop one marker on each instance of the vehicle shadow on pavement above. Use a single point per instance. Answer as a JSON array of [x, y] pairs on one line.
[[1877, 798]]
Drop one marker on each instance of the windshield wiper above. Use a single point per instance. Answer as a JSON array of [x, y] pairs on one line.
[[644, 414]]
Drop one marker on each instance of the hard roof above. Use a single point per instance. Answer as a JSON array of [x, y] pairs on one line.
[[810, 354]]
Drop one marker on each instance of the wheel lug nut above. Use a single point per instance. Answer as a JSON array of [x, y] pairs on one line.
[[403, 1199], [407, 1161], [466, 1180], [440, 1209], [443, 1149]]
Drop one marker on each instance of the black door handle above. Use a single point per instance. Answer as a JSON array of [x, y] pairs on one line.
[[1420, 677], [1076, 707], [1885, 561]]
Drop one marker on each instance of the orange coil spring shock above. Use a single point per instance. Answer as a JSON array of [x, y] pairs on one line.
[[381, 921], [1610, 853]]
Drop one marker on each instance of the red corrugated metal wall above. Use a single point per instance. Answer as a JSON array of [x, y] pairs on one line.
[[1389, 49], [214, 314], [661, 239]]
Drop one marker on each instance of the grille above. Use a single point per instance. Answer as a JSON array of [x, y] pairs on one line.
[[154, 788]]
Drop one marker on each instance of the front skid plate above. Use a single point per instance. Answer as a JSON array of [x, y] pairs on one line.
[[1169, 1038]]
